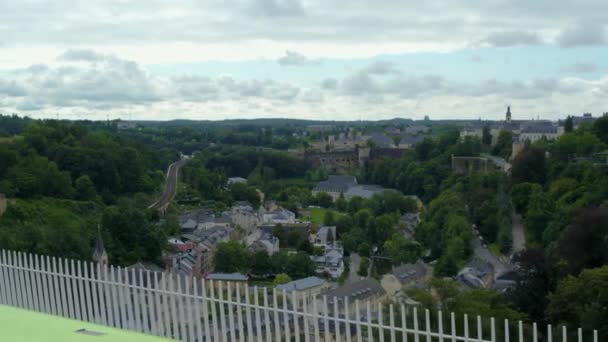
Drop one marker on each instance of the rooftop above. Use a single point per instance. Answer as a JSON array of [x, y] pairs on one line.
[[359, 290], [301, 284], [227, 276]]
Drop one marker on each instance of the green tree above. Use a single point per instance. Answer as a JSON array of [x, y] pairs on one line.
[[504, 144], [538, 214], [329, 218], [402, 250], [568, 125], [85, 189], [260, 264], [600, 128], [486, 137], [300, 266], [363, 267], [231, 256], [529, 166], [582, 301], [280, 279]]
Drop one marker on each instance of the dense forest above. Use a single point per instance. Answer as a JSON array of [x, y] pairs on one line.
[[65, 178]]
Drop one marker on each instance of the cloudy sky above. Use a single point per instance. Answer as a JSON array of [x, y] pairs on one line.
[[313, 59]]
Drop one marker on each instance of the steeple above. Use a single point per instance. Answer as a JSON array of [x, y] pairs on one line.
[[508, 114], [99, 254]]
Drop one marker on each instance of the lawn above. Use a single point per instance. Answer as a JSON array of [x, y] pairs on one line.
[[17, 325], [318, 214]]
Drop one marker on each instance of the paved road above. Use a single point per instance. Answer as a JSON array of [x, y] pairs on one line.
[[519, 239], [355, 260], [170, 186], [484, 254]]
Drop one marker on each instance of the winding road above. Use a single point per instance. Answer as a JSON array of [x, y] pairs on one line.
[[170, 186]]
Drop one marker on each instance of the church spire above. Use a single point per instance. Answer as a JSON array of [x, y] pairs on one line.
[[508, 114], [99, 254]]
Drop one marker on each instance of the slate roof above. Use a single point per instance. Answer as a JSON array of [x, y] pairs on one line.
[[227, 276], [381, 140], [336, 184], [409, 272], [301, 284], [362, 289], [364, 191]]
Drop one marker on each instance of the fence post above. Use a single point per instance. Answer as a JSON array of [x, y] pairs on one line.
[[34, 282], [267, 325], [287, 327], [17, 272], [205, 310], [197, 310], [44, 287], [325, 318], [239, 313], [296, 319], [277, 322], [87, 291]]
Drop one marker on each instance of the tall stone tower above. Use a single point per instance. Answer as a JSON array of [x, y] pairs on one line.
[[508, 118], [99, 254]]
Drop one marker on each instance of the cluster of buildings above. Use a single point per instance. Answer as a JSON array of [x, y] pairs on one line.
[[202, 230], [349, 150], [523, 131]]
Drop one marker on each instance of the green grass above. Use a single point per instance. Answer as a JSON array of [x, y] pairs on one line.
[[17, 325], [318, 214]]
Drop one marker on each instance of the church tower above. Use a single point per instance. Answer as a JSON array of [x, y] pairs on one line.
[[99, 254], [508, 114]]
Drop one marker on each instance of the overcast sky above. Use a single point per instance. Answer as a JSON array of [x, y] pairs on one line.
[[312, 59]]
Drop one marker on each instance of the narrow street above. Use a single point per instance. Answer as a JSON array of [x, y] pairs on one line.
[[519, 238]]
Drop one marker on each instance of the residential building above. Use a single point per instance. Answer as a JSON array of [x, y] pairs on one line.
[[408, 141], [324, 237], [310, 287], [335, 185], [476, 274], [364, 191], [279, 216], [379, 139], [534, 132], [403, 276], [213, 236], [331, 262], [417, 129], [235, 279], [262, 240], [243, 215], [364, 291]]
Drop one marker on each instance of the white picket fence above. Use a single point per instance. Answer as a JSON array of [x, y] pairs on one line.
[[191, 310]]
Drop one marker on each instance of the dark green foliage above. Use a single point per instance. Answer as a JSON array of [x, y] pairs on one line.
[[486, 137], [568, 125], [530, 166], [363, 267], [232, 256], [582, 301], [504, 144], [130, 236]]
